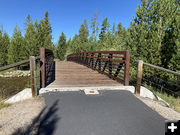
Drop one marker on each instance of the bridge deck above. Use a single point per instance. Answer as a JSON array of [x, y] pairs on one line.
[[70, 74]]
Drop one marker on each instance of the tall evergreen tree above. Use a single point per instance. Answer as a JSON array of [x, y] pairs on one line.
[[48, 32], [146, 47], [83, 32], [94, 25], [105, 26], [83, 37], [31, 47], [5, 44], [174, 62], [1, 48], [16, 49], [153, 32], [108, 41], [113, 29], [61, 47], [75, 44], [120, 38], [44, 32], [68, 44]]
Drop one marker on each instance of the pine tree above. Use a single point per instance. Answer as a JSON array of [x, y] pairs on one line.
[[153, 37], [105, 26], [48, 32], [75, 44], [16, 49], [5, 43], [162, 31], [61, 47], [68, 44], [113, 29], [120, 38], [31, 47], [174, 63], [108, 41], [83, 32], [147, 48], [1, 48], [83, 37], [94, 25], [44, 32]]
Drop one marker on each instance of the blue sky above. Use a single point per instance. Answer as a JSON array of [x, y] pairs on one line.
[[65, 15]]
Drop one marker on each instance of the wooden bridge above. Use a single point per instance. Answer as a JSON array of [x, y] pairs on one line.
[[84, 69], [95, 68]]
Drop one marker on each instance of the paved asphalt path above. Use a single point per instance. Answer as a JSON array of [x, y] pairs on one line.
[[109, 113]]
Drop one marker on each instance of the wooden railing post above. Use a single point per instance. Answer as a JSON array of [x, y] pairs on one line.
[[139, 76], [33, 75], [42, 69], [126, 69]]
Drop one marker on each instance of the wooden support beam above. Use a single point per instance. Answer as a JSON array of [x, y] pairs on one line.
[[118, 69], [139, 76], [126, 71], [92, 61], [42, 69], [110, 64], [99, 65], [33, 75]]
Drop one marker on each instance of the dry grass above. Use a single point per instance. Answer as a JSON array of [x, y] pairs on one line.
[[2, 104], [174, 102]]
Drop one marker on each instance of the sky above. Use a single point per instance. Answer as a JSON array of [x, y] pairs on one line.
[[65, 15]]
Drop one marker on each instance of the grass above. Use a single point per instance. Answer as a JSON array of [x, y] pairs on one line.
[[56, 60], [8, 70], [172, 101], [3, 105]]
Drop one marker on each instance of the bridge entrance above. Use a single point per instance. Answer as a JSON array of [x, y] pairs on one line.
[[71, 74], [85, 69]]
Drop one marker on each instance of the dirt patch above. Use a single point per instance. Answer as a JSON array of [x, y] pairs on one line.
[[162, 109], [20, 115]]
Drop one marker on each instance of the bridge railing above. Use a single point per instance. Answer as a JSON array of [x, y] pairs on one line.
[[13, 81], [114, 64], [35, 72], [47, 66], [155, 78]]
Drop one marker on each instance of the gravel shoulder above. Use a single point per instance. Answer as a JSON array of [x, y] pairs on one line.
[[20, 115], [164, 111]]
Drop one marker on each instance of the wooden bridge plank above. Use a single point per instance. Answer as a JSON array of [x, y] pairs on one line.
[[70, 74]]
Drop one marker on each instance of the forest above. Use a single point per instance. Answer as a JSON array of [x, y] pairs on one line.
[[153, 36]]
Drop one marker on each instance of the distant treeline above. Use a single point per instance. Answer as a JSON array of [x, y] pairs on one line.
[[20, 47], [153, 36]]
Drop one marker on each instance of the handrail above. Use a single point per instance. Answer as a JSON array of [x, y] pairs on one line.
[[140, 74], [17, 64], [110, 63], [160, 68]]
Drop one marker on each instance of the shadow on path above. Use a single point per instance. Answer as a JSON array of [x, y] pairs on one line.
[[43, 124]]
